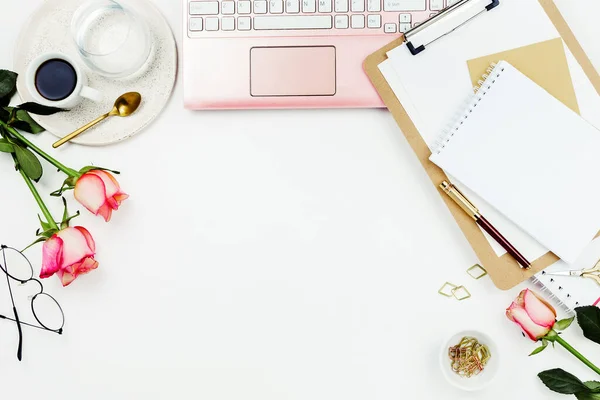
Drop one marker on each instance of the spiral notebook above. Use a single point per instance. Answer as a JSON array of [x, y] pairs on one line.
[[571, 292], [530, 157]]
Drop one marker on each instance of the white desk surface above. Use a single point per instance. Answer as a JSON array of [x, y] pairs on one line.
[[264, 255]]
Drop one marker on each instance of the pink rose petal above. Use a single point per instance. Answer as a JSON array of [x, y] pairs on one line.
[[88, 264], [88, 237], [51, 256], [120, 197], [75, 246], [70, 273], [105, 212], [520, 316], [110, 183], [65, 277], [112, 203], [90, 192], [538, 310]]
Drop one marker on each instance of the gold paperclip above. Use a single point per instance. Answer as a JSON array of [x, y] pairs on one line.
[[477, 271], [447, 289]]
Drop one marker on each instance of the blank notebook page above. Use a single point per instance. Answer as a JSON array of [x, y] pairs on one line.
[[531, 158]]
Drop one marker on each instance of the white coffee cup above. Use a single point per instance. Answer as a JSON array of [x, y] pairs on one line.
[[80, 92]]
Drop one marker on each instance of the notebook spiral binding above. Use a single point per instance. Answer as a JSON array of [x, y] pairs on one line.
[[550, 294], [484, 85]]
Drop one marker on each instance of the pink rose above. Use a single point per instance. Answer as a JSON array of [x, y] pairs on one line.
[[68, 253], [99, 192], [533, 314]]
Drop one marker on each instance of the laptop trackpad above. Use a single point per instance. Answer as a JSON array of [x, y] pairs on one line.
[[292, 71]]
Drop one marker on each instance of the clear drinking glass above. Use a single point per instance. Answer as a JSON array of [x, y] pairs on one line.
[[112, 39]]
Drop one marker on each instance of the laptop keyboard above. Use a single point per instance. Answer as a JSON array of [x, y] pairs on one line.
[[212, 18]]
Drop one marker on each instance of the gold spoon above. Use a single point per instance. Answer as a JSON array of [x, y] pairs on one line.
[[124, 106]]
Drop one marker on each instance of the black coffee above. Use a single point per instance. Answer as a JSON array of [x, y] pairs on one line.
[[55, 79]]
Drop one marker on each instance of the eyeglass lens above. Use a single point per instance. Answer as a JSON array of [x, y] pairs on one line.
[[15, 264], [47, 312]]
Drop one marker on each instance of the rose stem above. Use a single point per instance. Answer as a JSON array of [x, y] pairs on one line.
[[39, 201], [577, 354], [44, 155]]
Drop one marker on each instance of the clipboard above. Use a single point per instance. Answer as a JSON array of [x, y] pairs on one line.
[[504, 270]]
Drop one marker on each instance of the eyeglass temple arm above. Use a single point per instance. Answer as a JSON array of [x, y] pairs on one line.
[[20, 348], [59, 331]]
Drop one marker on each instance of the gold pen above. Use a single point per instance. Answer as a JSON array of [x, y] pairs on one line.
[[474, 213]]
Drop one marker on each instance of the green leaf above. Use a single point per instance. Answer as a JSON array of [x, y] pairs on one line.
[[540, 349], [39, 109], [45, 225], [24, 122], [587, 396], [588, 318], [28, 163], [66, 218], [594, 386], [68, 184], [91, 168], [65, 223], [4, 111], [66, 211], [6, 147], [59, 192], [563, 324], [47, 233], [561, 381], [38, 240], [8, 83]]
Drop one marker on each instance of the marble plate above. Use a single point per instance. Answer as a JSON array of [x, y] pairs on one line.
[[49, 29]]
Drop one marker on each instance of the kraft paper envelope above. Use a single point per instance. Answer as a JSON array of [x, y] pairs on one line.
[[544, 63]]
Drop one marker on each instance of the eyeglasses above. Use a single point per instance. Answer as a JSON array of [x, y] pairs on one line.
[[46, 310]]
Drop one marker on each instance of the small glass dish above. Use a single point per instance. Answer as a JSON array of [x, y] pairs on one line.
[[477, 382], [111, 38]]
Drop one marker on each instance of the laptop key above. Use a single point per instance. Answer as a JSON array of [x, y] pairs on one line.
[[204, 7], [260, 7], [212, 24], [276, 6], [389, 28], [292, 6], [358, 5], [436, 5], [227, 7], [243, 23], [324, 6], [228, 23], [292, 22], [374, 21], [309, 6], [341, 22], [374, 5], [243, 7], [195, 24], [404, 5], [357, 21]]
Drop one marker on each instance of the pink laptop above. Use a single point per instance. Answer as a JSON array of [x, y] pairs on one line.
[[289, 53]]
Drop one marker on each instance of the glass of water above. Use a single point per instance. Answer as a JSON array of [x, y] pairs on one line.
[[112, 39]]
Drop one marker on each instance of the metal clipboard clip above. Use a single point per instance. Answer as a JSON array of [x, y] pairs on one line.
[[456, 15]]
